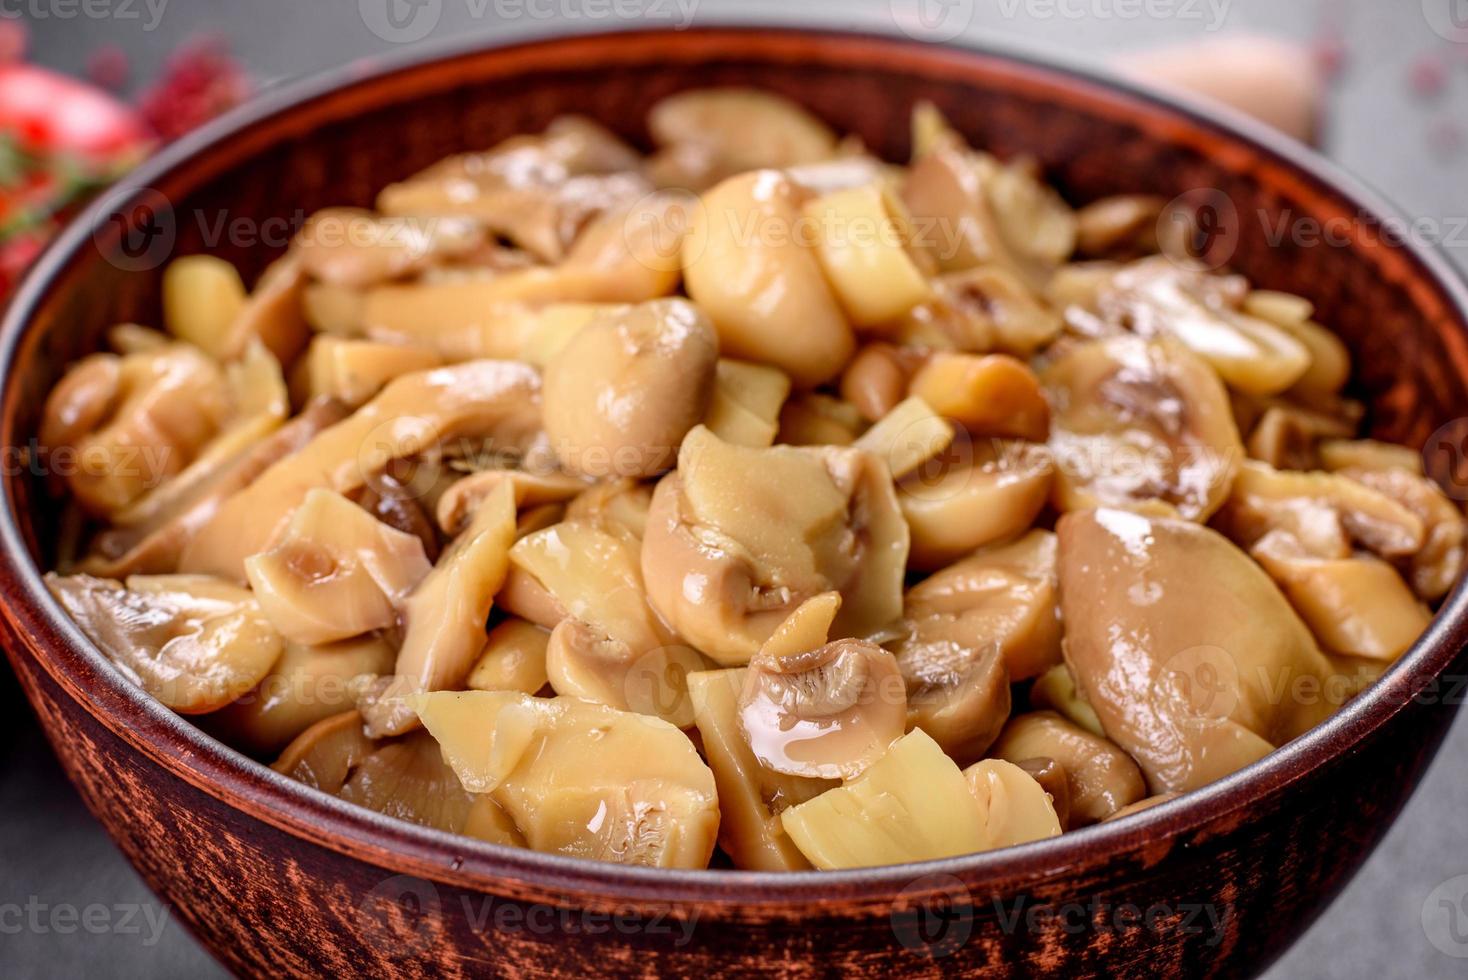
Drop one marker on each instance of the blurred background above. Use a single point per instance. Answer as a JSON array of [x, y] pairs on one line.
[[1389, 100]]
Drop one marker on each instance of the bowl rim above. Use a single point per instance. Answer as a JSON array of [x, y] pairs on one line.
[[241, 783]]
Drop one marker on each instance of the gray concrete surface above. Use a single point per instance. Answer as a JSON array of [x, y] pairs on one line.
[[1381, 126]]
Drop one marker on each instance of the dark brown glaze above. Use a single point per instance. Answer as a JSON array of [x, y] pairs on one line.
[[279, 880]]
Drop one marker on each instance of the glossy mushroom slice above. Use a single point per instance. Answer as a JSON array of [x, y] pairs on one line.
[[730, 550], [498, 400], [156, 543], [989, 308], [1181, 653], [754, 288], [751, 795], [325, 754], [581, 779], [194, 643], [446, 617], [611, 648], [1100, 777], [1015, 807], [706, 135], [336, 572], [352, 371], [131, 422], [615, 504], [464, 496], [1436, 566], [907, 437], [202, 294], [513, 659], [912, 804], [538, 191], [622, 394], [992, 491], [353, 247], [864, 240], [1140, 424], [745, 405], [1160, 297], [273, 314], [1056, 690], [992, 396], [308, 684], [819, 709]]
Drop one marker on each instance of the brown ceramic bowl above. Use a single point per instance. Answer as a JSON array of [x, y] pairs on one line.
[[278, 879]]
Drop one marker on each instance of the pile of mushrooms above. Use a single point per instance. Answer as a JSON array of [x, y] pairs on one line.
[[754, 502]]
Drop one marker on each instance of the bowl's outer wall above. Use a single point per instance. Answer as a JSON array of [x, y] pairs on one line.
[[270, 902]]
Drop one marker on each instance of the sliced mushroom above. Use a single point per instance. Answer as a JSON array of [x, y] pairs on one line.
[[522, 595], [1181, 653], [1367, 454], [1053, 780], [611, 648], [1101, 777], [308, 684], [1358, 605], [409, 780], [1330, 362], [951, 510], [155, 544], [273, 314], [751, 795], [1119, 226], [539, 191], [912, 804], [1140, 424], [729, 551], [620, 397], [988, 308], [1001, 597], [445, 618], [616, 504], [992, 396], [875, 381], [513, 659], [1056, 691], [1285, 436], [811, 418], [581, 779], [826, 711], [1436, 566], [412, 414], [1015, 807], [202, 295], [192, 642], [907, 437], [1161, 297], [745, 405], [356, 248], [336, 572], [133, 421], [863, 242], [706, 135], [457, 505], [746, 266], [352, 371], [324, 755]]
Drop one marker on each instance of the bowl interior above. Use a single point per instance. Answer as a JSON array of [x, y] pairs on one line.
[[240, 188]]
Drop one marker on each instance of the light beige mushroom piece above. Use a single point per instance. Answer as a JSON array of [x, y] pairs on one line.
[[621, 395], [985, 309], [706, 135], [192, 642], [355, 248], [1118, 226], [745, 405], [308, 684], [1052, 779], [446, 617], [994, 495], [611, 648], [202, 294], [1101, 778], [1182, 652], [1158, 296], [907, 437], [751, 795], [414, 413], [912, 804], [746, 265], [513, 659], [324, 755], [581, 779], [1330, 361], [538, 191], [337, 572], [531, 489], [353, 371], [1140, 424], [1435, 567], [729, 550], [825, 710], [1015, 807], [132, 421], [1367, 454], [1285, 436], [875, 380], [615, 504], [273, 314], [1056, 690], [812, 418], [992, 396]]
